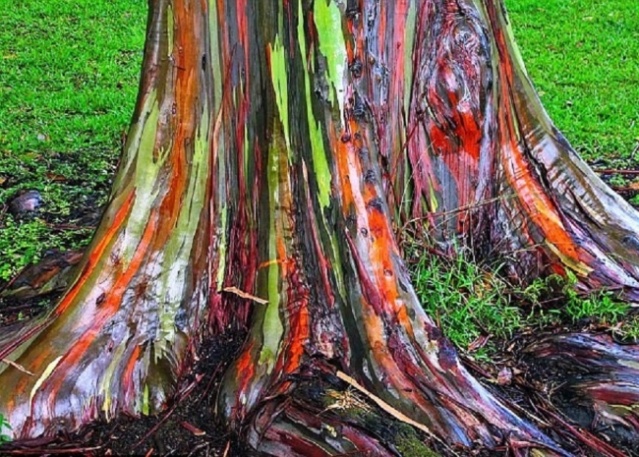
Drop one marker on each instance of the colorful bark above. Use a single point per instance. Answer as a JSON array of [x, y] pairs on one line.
[[274, 147], [485, 162], [120, 335], [594, 380]]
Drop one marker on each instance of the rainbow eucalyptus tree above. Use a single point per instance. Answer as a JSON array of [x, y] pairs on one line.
[[274, 147]]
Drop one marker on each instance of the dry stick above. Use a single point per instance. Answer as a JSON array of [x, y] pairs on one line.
[[17, 366], [227, 449], [624, 189], [352, 453], [617, 171], [157, 426], [70, 227], [386, 407], [242, 294]]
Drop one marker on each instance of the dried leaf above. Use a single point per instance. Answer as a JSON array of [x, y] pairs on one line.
[[505, 376]]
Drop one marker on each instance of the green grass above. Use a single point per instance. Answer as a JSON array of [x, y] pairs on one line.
[[69, 75], [470, 301], [4, 427], [464, 300], [583, 57]]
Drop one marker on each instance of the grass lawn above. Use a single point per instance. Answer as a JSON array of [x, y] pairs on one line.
[[583, 57], [68, 80]]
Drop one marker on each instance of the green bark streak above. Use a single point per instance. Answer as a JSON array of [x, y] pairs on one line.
[[328, 19], [281, 86], [170, 29], [320, 161], [146, 172], [107, 384], [409, 40], [272, 328]]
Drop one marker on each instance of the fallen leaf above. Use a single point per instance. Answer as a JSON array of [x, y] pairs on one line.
[[505, 376], [479, 342], [56, 178]]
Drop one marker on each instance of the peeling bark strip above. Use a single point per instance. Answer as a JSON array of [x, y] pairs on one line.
[[273, 147]]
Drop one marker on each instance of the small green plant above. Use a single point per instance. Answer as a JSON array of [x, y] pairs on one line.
[[410, 445], [617, 181], [629, 329], [4, 426], [465, 300], [602, 306], [470, 302]]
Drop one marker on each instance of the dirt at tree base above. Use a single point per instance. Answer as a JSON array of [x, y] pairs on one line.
[[188, 428]]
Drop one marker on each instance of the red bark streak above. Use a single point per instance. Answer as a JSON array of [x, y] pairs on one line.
[[614, 395], [297, 314]]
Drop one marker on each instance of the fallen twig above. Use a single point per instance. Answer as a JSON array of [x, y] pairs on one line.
[[156, 426], [70, 227], [385, 406], [242, 294], [192, 428], [611, 171], [17, 366], [227, 449]]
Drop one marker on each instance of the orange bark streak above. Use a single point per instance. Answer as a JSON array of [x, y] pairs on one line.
[[97, 252], [107, 309], [127, 375], [342, 164], [537, 204]]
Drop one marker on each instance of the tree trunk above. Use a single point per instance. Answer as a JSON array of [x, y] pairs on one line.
[[275, 146]]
